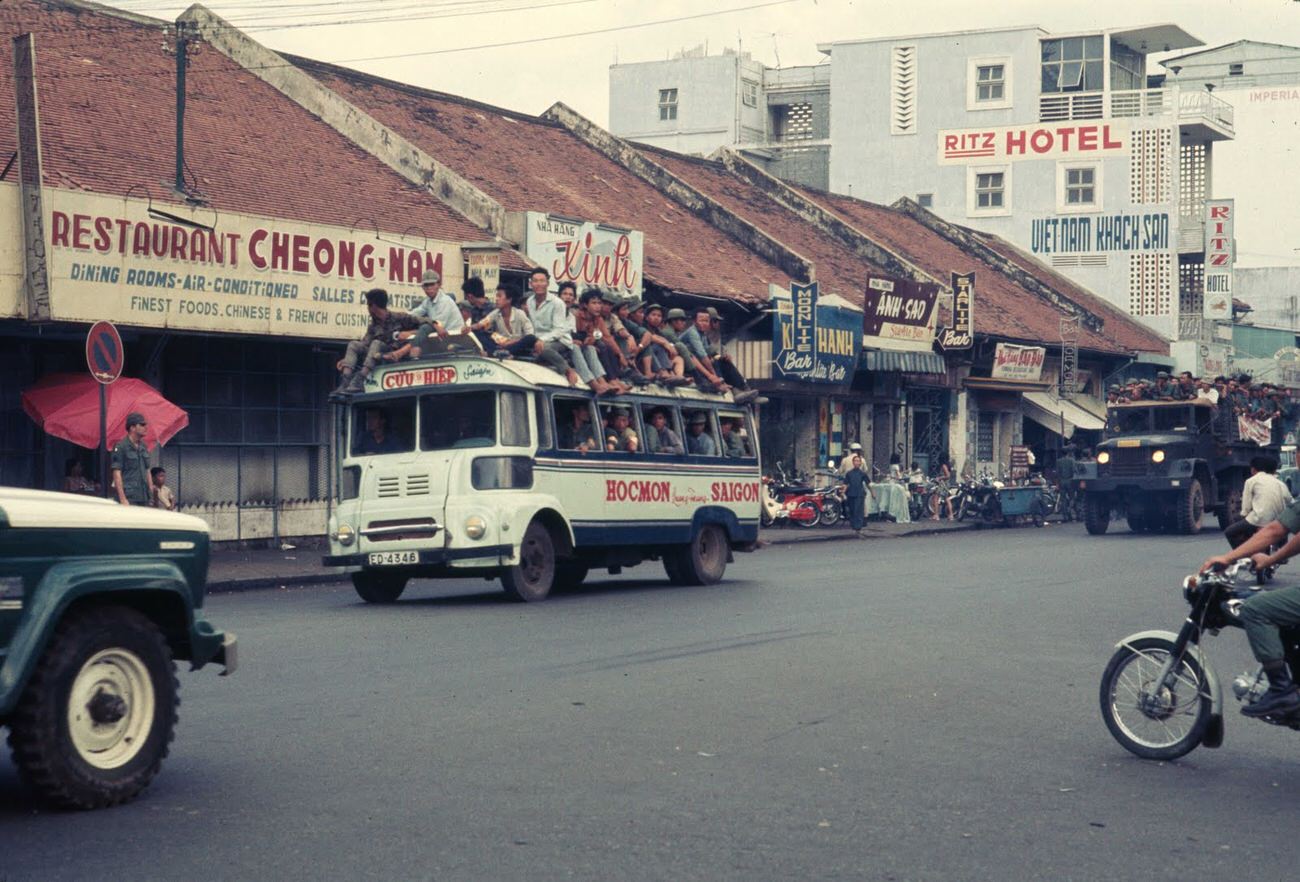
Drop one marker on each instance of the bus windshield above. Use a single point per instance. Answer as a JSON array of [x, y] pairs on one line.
[[383, 427], [454, 420]]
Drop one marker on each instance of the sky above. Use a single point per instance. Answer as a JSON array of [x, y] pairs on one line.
[[537, 52]]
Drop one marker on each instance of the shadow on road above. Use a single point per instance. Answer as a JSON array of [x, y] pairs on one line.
[[493, 597]]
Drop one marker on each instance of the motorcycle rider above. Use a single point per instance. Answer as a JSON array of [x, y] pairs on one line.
[[1264, 615], [1263, 498]]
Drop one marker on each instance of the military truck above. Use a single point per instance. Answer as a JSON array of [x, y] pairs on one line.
[[1163, 464], [97, 600]]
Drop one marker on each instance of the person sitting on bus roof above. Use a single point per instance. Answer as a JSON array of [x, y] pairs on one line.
[[550, 325], [578, 433], [476, 299], [376, 438], [597, 344], [660, 438], [507, 329], [708, 322], [732, 444], [698, 440], [660, 360], [620, 436], [581, 354], [616, 341], [378, 341], [627, 332], [439, 315]]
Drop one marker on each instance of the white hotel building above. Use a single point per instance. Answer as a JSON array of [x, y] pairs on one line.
[[1073, 145]]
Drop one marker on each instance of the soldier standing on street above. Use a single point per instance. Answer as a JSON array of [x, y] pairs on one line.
[[131, 464]]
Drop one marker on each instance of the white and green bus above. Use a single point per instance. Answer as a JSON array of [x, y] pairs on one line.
[[468, 466]]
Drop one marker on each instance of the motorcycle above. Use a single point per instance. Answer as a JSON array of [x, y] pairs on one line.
[[1160, 698], [804, 505], [771, 512]]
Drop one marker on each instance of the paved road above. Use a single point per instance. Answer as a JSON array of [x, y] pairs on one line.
[[895, 709]]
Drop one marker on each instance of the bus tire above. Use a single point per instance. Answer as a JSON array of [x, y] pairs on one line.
[[379, 587], [531, 579], [703, 561], [570, 573]]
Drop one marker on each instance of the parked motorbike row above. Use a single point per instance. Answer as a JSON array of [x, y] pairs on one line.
[[795, 501]]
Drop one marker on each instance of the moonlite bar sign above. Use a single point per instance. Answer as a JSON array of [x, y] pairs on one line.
[[814, 343], [962, 333]]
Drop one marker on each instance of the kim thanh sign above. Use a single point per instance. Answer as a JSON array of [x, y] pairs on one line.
[[812, 342]]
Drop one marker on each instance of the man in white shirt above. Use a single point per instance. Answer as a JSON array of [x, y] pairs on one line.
[[550, 325], [1262, 500], [1206, 390], [438, 314]]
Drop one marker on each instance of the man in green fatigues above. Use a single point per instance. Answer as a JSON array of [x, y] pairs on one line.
[[131, 463], [1264, 615]]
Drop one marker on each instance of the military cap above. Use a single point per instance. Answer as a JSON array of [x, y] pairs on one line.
[[714, 314], [634, 303], [676, 314], [1114, 387], [653, 306], [134, 419], [698, 419], [430, 277], [620, 411], [1162, 375]]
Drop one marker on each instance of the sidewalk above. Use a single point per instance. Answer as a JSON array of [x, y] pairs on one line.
[[247, 570]]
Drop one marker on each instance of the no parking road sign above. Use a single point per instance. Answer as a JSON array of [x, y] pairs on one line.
[[104, 354]]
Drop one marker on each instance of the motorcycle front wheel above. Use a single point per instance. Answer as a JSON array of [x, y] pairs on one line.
[[830, 512], [1154, 723]]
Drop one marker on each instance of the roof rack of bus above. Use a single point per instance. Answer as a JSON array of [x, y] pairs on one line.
[[1195, 402]]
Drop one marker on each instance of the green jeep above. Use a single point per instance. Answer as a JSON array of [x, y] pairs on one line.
[[96, 601]]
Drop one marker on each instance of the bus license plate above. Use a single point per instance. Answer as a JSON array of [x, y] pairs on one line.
[[393, 558]]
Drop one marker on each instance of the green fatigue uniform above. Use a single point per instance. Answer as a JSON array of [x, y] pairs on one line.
[[1267, 611], [623, 440], [732, 446], [133, 463]]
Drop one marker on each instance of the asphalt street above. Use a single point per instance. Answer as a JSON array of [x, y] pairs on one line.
[[911, 709]]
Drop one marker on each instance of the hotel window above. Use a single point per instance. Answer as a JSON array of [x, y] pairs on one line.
[[1072, 64], [749, 93], [925, 200], [988, 83], [988, 191], [1236, 69], [667, 104], [1078, 186]]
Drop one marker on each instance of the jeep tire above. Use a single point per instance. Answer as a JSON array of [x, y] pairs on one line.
[[1096, 514], [96, 720], [1190, 509]]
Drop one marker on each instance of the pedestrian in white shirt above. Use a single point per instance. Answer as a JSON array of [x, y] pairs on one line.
[[1262, 499], [439, 315]]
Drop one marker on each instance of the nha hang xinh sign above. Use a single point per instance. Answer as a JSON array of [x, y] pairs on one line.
[[247, 274], [585, 253], [814, 342]]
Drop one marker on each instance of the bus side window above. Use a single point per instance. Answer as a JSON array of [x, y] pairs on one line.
[[663, 430], [514, 419], [574, 425], [618, 428], [701, 434], [545, 438], [737, 435]]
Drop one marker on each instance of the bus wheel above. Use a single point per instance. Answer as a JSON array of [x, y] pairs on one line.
[[531, 579], [570, 574], [379, 587], [702, 562]]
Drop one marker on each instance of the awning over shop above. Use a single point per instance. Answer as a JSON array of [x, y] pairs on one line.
[[1047, 412], [903, 362]]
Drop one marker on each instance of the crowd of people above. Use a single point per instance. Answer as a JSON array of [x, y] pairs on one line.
[[607, 342], [1260, 401]]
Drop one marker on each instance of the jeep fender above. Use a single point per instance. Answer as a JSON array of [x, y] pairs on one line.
[[71, 582]]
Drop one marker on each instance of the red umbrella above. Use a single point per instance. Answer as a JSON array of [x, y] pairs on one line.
[[67, 406]]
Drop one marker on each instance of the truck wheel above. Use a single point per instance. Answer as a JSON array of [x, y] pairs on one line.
[[531, 579], [1191, 508], [1096, 514], [375, 587], [700, 562], [1231, 508], [94, 723]]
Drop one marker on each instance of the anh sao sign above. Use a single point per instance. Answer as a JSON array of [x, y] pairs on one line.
[[813, 342], [1065, 140], [248, 274]]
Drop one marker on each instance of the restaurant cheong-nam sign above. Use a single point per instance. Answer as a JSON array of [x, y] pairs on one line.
[[814, 342], [109, 257], [899, 314], [585, 253]]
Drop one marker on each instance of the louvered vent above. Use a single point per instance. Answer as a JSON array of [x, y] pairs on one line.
[[417, 485], [902, 90], [389, 486]]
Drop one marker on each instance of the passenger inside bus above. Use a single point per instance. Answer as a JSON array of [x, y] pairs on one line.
[[699, 440], [735, 442], [452, 421], [661, 435], [373, 429], [620, 437], [573, 421]]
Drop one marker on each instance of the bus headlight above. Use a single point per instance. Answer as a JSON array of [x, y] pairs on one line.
[[1103, 457], [1158, 456], [345, 535], [475, 527]]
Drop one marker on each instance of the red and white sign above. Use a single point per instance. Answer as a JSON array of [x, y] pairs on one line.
[[1258, 431], [1072, 140], [585, 253], [1024, 363], [1220, 255], [430, 376], [104, 355]]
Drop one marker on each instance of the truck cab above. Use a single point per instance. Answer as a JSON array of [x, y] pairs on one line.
[[1163, 464]]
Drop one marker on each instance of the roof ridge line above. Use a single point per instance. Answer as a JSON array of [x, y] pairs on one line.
[[367, 133], [698, 203], [995, 261]]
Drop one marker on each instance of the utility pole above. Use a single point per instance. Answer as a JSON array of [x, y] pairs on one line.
[[186, 43]]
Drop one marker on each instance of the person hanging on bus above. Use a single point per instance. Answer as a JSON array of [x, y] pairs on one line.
[[620, 437], [576, 432], [378, 340], [698, 440], [708, 321], [592, 334], [660, 437]]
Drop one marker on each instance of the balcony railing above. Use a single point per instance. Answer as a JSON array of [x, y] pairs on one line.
[[1130, 103]]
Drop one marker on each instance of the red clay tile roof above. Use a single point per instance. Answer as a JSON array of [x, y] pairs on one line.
[[838, 270], [1002, 307], [107, 97], [531, 164]]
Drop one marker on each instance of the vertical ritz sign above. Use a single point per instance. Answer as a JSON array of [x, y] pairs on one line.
[[1220, 255]]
